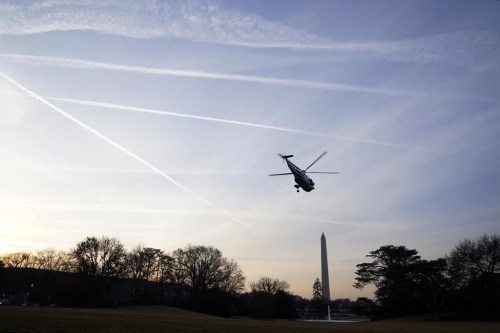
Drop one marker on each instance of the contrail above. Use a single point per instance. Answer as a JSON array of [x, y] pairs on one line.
[[318, 85], [94, 65], [118, 146], [114, 171], [221, 120]]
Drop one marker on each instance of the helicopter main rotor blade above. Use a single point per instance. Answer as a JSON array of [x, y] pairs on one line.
[[316, 160], [281, 174], [327, 172]]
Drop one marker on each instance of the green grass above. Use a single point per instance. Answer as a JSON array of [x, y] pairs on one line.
[[171, 320]]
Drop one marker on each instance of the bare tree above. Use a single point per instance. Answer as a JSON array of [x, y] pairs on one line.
[[232, 278], [473, 260], [164, 268], [18, 260], [149, 263], [103, 257], [53, 260], [141, 262], [203, 268], [475, 266], [269, 285], [270, 299]]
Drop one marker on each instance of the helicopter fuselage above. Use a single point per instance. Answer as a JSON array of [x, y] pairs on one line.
[[301, 179]]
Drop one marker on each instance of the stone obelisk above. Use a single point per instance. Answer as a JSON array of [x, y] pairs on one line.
[[325, 280]]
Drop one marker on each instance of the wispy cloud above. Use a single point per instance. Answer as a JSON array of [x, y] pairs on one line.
[[199, 20], [118, 146], [209, 21]]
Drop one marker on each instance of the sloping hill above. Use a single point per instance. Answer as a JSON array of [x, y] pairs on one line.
[[158, 319]]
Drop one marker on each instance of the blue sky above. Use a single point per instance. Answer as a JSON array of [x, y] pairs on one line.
[[158, 122]]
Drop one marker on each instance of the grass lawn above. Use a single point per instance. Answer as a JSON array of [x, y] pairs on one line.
[[171, 320]]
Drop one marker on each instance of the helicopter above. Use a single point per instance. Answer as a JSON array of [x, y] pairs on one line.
[[301, 179]]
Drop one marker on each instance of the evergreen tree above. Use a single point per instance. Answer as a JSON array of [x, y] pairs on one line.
[[317, 290], [317, 305]]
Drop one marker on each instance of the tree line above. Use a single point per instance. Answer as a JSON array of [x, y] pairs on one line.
[[100, 272], [201, 267], [467, 280]]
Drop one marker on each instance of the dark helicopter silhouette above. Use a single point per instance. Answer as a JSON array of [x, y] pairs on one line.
[[301, 179]]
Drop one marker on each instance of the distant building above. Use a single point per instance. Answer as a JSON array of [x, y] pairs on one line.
[[325, 280]]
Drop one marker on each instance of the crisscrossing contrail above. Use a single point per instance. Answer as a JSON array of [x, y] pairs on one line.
[[223, 120], [118, 146]]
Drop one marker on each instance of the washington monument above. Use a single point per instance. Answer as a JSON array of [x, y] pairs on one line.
[[325, 280]]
